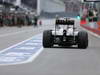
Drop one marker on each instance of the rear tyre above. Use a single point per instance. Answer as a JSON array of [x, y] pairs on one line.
[[82, 40], [47, 39]]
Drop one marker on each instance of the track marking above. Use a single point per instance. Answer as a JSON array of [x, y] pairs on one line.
[[23, 52]]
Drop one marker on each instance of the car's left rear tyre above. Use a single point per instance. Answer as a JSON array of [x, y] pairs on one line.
[[47, 39]]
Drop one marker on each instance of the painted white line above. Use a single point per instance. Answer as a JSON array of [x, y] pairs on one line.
[[31, 44], [34, 56], [17, 44], [31, 59], [9, 34], [94, 34], [26, 48]]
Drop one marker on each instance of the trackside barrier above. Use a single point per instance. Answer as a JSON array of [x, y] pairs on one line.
[[86, 25], [98, 25]]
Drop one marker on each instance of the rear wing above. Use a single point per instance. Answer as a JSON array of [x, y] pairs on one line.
[[64, 22]]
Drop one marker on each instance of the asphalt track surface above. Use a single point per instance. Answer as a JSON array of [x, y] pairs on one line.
[[52, 61]]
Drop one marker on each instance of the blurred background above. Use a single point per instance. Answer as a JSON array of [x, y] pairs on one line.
[[28, 12]]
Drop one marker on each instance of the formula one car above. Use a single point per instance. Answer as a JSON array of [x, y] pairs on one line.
[[65, 35]]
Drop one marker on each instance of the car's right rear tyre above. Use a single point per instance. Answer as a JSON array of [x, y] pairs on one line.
[[82, 40], [47, 39]]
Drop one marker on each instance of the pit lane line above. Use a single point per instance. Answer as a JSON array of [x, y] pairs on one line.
[[11, 55]]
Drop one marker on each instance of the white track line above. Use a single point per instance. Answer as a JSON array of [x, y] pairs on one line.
[[17, 44], [30, 59]]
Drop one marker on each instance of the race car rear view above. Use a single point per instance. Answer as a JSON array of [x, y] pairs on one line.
[[65, 35]]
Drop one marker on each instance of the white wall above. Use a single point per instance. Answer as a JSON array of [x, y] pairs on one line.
[[50, 6], [18, 2]]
